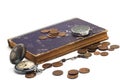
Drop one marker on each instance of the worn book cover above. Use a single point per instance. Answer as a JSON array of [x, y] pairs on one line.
[[43, 49]]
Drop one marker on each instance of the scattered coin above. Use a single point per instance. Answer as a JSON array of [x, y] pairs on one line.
[[111, 49], [96, 53], [87, 54], [104, 53], [82, 51], [73, 72], [47, 65], [57, 64], [92, 48], [43, 37], [72, 76], [30, 74], [62, 34], [57, 72], [114, 46], [105, 43], [103, 48], [45, 30], [84, 70]]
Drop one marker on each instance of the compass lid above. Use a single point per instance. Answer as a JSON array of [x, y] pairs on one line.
[[17, 54]]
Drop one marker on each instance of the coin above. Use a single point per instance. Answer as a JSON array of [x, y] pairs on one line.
[[62, 34], [96, 53], [114, 46], [82, 51], [43, 37], [87, 54], [111, 49], [47, 65], [57, 72], [84, 70], [30, 74], [57, 64], [92, 48], [51, 36], [104, 53], [103, 48], [72, 76], [45, 30], [54, 32], [73, 72], [105, 43]]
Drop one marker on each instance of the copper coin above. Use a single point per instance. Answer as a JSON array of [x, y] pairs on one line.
[[45, 30], [73, 72], [54, 32], [82, 51], [62, 34], [111, 49], [72, 76], [84, 70], [57, 72], [114, 46], [96, 53], [51, 36], [43, 37], [103, 48], [57, 64], [30, 74], [105, 43], [104, 53], [47, 65], [87, 54]]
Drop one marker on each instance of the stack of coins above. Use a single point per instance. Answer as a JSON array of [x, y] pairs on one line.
[[72, 74], [51, 33]]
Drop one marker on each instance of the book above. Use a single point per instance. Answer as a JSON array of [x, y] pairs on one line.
[[42, 50]]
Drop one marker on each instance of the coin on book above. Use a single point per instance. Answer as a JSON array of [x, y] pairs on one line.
[[62, 34], [45, 30], [43, 37]]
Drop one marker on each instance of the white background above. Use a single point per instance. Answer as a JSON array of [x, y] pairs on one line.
[[21, 16]]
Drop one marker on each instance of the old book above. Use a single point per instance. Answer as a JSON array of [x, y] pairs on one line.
[[41, 50]]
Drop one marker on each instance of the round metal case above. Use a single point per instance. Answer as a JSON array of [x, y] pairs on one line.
[[16, 56], [80, 30]]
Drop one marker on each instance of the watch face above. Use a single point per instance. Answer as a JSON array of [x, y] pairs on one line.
[[25, 65], [80, 30]]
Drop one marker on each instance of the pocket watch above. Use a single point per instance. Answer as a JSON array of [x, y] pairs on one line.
[[16, 56], [80, 30]]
